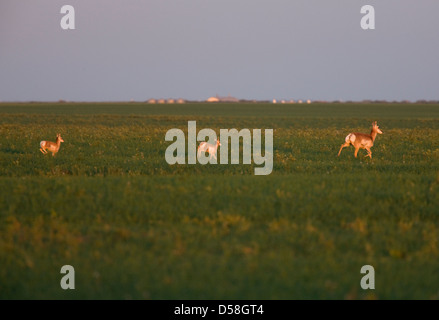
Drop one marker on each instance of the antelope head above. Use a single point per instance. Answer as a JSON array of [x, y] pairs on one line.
[[376, 128]]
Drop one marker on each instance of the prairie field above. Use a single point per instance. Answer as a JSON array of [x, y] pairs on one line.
[[135, 227]]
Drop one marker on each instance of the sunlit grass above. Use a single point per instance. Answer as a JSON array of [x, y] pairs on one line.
[[135, 227]]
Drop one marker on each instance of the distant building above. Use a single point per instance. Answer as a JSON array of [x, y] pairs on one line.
[[274, 101], [171, 101], [161, 101], [222, 99], [152, 101], [213, 99], [180, 101]]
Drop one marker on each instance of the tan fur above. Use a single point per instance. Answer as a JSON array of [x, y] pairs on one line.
[[362, 140], [51, 146], [204, 146]]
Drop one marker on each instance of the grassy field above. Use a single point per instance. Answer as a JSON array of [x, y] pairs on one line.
[[135, 227]]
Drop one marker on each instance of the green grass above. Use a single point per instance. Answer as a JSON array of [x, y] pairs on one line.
[[135, 227]]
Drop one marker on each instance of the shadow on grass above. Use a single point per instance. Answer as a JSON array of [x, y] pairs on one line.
[[11, 151]]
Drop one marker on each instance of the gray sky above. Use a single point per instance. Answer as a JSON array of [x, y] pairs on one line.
[[193, 49]]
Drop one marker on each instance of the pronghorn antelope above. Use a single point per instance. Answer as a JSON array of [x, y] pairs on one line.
[[362, 140], [51, 146], [204, 146]]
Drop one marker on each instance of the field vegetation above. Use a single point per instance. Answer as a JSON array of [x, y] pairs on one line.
[[135, 227]]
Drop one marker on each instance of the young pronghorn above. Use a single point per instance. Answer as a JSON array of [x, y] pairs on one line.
[[204, 146], [362, 140], [51, 146]]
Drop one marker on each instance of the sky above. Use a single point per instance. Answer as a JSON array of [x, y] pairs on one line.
[[194, 49]]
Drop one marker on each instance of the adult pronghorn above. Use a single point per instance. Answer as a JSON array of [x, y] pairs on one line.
[[362, 140], [204, 146], [51, 146]]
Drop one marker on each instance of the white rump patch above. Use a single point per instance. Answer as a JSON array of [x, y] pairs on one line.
[[350, 138]]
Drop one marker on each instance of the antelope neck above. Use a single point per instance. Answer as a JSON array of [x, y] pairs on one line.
[[373, 134]]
